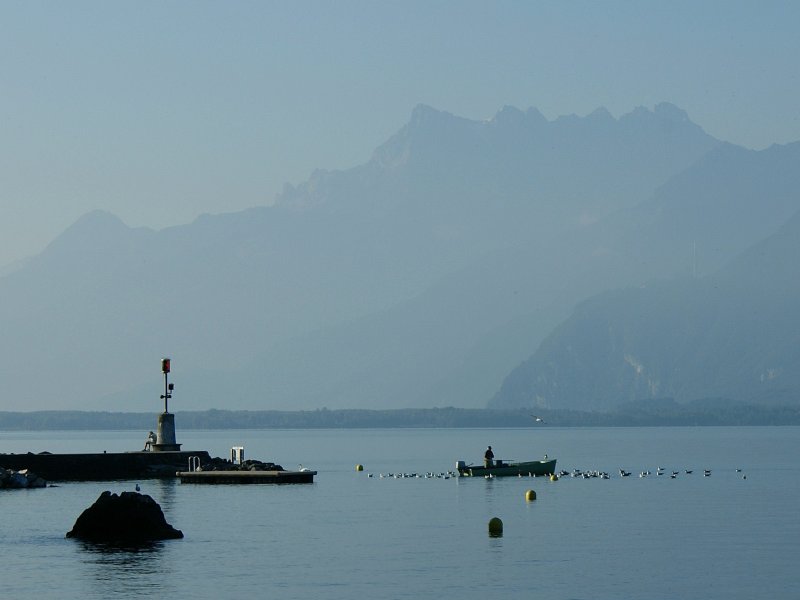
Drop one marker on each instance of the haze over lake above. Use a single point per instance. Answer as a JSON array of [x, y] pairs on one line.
[[366, 206]]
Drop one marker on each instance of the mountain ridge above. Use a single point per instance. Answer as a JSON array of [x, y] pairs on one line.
[[362, 287], [730, 335]]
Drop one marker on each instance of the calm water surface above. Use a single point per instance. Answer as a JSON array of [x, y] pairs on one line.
[[349, 535]]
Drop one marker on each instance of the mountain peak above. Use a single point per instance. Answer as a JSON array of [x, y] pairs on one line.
[[663, 112], [427, 127], [94, 224], [423, 114], [509, 115], [98, 218], [669, 111], [600, 114], [94, 229], [534, 115]]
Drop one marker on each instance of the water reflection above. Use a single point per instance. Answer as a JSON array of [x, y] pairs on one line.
[[114, 569], [162, 491], [125, 550]]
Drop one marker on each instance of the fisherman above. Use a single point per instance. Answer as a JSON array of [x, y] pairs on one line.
[[488, 458], [152, 438]]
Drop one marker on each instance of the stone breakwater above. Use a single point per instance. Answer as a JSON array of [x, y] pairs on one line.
[[222, 464], [103, 466], [25, 478]]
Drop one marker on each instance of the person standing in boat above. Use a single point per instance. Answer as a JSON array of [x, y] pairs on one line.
[[488, 458]]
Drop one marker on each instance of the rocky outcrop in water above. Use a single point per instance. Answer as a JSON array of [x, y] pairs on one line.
[[129, 517], [20, 479]]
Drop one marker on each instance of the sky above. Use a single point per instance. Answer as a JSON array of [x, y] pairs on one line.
[[161, 111]]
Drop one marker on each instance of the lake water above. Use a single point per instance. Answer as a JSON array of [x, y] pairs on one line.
[[349, 535]]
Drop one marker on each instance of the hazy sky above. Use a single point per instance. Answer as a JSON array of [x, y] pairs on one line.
[[160, 111]]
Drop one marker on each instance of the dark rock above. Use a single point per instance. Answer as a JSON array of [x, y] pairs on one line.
[[223, 464], [129, 517], [32, 479], [20, 479]]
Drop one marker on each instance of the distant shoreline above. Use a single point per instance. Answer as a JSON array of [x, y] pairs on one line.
[[641, 416]]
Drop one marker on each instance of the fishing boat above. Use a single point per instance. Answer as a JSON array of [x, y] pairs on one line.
[[506, 468]]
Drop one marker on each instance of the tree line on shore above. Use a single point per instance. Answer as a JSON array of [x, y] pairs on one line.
[[631, 415]]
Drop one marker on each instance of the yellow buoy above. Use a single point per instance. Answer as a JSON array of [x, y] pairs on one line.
[[553, 477], [359, 467], [530, 495], [495, 527]]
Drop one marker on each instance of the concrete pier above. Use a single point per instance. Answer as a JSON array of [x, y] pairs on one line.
[[239, 477], [103, 466]]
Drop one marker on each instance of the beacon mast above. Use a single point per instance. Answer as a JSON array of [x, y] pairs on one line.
[[165, 435]]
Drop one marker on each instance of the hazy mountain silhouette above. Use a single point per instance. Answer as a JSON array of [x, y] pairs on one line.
[[439, 349], [419, 278], [731, 335]]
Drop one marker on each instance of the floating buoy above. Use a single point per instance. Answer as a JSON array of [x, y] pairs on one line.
[[530, 495], [359, 467], [495, 527], [553, 477]]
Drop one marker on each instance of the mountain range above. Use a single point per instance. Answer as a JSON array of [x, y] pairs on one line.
[[732, 335], [439, 273]]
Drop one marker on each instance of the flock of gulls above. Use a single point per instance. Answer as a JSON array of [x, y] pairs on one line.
[[575, 473], [430, 475], [660, 471]]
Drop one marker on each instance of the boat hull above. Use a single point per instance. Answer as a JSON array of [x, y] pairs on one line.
[[500, 469]]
